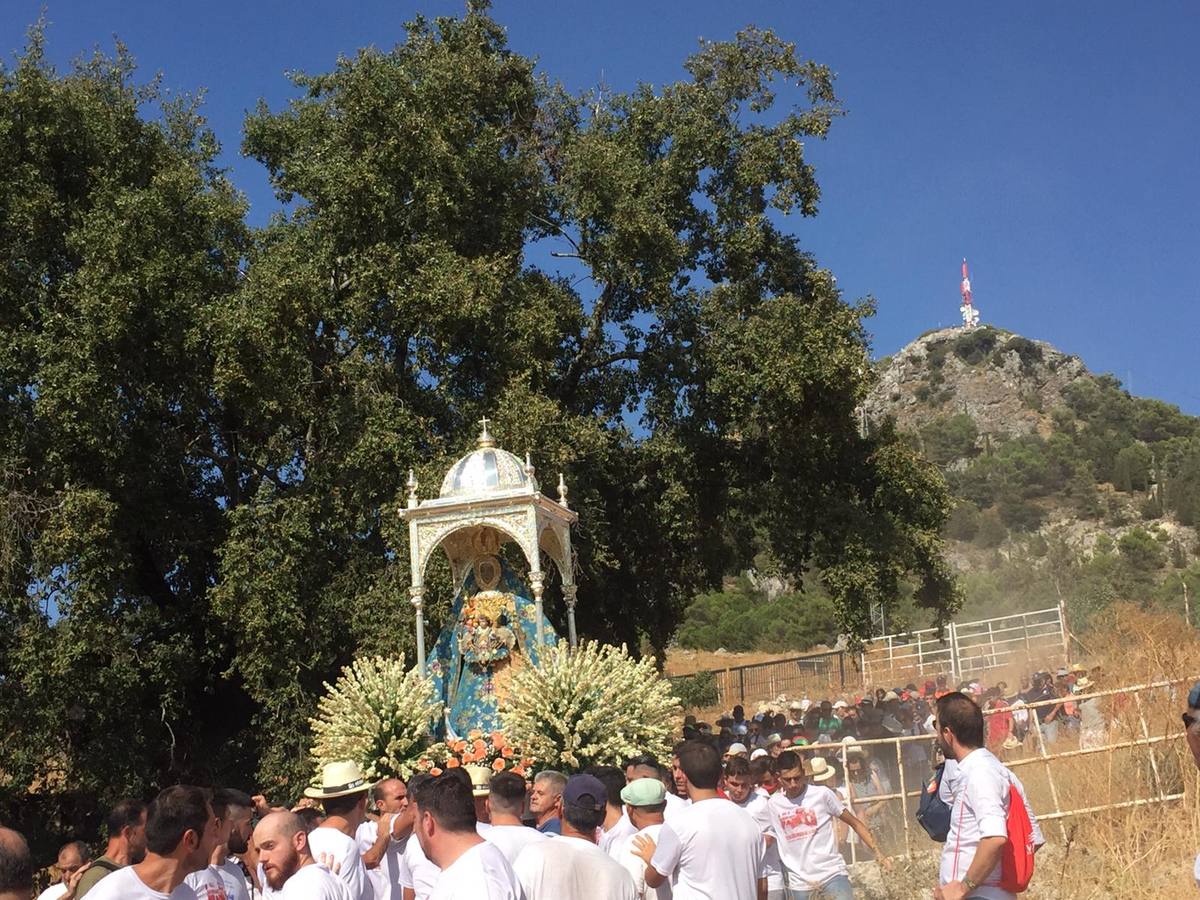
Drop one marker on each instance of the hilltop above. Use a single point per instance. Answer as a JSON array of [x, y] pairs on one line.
[[1065, 484]]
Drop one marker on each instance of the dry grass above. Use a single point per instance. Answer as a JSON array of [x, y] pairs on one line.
[[685, 662]]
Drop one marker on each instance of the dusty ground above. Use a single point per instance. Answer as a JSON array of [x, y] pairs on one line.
[[685, 662]]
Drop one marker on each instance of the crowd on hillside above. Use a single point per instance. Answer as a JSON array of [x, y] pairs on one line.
[[737, 814]]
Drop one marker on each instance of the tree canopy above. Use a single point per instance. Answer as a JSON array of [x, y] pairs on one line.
[[206, 428]]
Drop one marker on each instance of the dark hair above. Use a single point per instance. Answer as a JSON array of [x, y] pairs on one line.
[[225, 800], [174, 812], [416, 780], [84, 851], [449, 801], [126, 814], [737, 767], [788, 759], [959, 713], [508, 793], [461, 774], [342, 806], [308, 816], [613, 780], [583, 819], [761, 766], [641, 759], [16, 865], [701, 763]]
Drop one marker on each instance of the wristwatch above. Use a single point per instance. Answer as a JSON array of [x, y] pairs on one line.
[[969, 885]]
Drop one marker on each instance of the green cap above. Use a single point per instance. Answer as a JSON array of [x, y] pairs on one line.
[[644, 792]]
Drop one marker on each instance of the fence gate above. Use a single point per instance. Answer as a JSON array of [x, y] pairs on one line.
[[967, 648]]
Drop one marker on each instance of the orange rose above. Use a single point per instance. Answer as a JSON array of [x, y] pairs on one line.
[[452, 763], [498, 740], [480, 748], [519, 770], [506, 752], [498, 765], [435, 771], [458, 746], [474, 734]]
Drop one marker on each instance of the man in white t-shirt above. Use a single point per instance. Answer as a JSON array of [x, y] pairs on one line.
[[616, 828], [380, 852], [571, 866], [712, 850], [803, 826], [287, 862], [646, 805], [740, 789], [223, 879], [646, 767], [343, 793], [506, 804], [970, 864], [71, 858], [471, 868], [181, 832]]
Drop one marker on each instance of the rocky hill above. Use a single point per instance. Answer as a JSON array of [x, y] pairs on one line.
[[1066, 485]]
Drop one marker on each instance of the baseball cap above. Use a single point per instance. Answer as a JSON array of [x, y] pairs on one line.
[[735, 749], [774, 738], [585, 791], [1194, 697], [839, 704], [891, 695], [644, 792], [758, 754]]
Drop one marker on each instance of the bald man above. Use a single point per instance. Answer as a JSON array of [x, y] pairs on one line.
[[16, 868], [287, 863]]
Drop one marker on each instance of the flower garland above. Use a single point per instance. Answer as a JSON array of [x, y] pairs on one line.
[[595, 705], [378, 715]]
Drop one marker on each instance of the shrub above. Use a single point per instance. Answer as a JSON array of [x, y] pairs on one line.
[[963, 523], [991, 531], [973, 347], [697, 691], [594, 705], [951, 438]]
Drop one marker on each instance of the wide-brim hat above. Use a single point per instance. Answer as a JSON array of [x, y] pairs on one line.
[[340, 779], [820, 769], [481, 780]]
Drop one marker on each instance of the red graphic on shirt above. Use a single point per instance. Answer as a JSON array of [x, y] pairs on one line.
[[798, 824]]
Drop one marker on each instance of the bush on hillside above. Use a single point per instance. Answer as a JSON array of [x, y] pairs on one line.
[[947, 439], [973, 347]]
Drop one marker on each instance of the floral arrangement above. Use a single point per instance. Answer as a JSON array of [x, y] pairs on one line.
[[479, 748], [378, 714], [595, 705], [486, 637]]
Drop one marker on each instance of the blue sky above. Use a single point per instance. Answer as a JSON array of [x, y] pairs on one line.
[[1055, 145]]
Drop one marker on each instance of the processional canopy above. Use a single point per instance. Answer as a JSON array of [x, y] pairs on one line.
[[488, 498]]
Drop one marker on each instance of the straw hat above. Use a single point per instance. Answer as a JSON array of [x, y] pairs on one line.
[[339, 779], [481, 780], [1082, 684], [820, 769]]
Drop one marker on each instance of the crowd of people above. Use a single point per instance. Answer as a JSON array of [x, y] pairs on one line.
[[721, 821]]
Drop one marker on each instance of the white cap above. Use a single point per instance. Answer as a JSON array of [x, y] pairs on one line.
[[891, 695], [758, 754], [840, 704], [735, 749]]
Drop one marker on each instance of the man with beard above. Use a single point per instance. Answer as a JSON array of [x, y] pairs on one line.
[[970, 864], [126, 827], [288, 865], [181, 832], [223, 879]]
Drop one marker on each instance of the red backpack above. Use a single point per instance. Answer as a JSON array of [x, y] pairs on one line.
[[1016, 860]]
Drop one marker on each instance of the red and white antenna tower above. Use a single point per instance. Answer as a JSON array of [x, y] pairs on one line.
[[970, 315]]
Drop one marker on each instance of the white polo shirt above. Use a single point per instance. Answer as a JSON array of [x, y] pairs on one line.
[[980, 810]]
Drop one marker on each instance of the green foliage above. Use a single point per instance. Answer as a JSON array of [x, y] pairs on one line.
[[991, 531], [698, 691], [973, 346], [742, 619], [1029, 353], [205, 430], [950, 438], [1131, 469], [1141, 552], [963, 523]]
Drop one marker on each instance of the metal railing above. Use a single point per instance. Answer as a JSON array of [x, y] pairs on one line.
[[783, 677], [1129, 724], [964, 649]]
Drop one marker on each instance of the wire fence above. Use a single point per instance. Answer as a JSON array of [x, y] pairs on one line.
[[1135, 758]]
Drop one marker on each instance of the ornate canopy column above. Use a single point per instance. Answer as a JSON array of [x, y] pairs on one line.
[[489, 498]]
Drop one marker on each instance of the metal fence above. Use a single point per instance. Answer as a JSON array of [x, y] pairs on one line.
[[1140, 767], [791, 677], [964, 649]]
